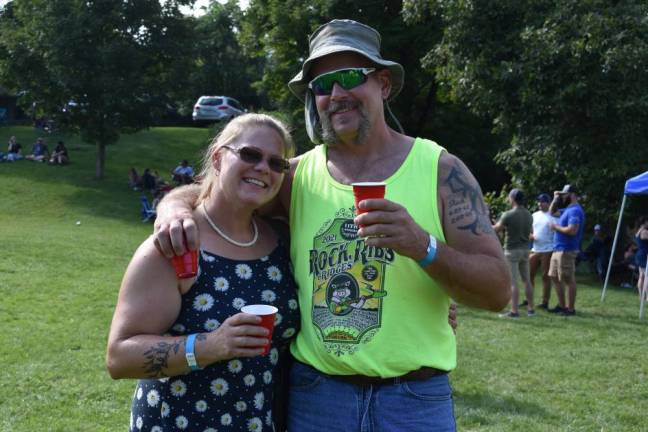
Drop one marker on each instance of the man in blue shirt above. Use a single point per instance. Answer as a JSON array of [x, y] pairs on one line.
[[40, 152], [568, 233]]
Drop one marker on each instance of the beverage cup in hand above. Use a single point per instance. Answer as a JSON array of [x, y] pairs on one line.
[[367, 190], [186, 266], [267, 314]]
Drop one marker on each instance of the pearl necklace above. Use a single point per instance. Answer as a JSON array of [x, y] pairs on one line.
[[226, 237]]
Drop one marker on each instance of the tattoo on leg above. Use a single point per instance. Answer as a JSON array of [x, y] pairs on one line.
[[466, 208], [157, 358]]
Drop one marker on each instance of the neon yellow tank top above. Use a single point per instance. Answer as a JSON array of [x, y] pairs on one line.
[[366, 310]]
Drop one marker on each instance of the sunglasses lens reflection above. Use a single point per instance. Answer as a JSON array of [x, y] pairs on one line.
[[347, 79]]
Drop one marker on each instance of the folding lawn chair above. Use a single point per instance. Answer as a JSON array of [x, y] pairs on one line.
[[148, 214]]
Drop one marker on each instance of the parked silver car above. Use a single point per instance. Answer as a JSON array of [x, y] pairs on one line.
[[216, 108]]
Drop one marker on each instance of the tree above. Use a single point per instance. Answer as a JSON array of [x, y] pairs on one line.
[[565, 82], [114, 60]]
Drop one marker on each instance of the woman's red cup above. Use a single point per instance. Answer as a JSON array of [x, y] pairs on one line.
[[186, 266], [267, 314]]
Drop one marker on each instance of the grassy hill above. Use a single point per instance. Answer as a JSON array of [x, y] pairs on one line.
[[59, 282]]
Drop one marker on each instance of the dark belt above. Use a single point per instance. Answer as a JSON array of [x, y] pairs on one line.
[[415, 375]]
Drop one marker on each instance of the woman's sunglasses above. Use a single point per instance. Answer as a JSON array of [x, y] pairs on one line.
[[253, 156], [322, 85]]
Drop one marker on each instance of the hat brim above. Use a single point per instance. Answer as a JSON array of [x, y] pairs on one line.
[[299, 84]]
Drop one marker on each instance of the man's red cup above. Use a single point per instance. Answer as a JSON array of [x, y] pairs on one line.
[[186, 266], [367, 190], [267, 314]]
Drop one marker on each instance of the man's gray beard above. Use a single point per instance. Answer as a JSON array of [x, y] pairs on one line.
[[330, 137]]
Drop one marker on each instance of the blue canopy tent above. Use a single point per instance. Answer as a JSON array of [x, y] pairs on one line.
[[635, 186]]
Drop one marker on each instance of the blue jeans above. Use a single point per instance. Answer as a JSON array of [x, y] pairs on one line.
[[319, 403]]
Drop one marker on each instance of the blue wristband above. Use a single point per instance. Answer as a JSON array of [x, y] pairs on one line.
[[431, 252], [189, 352]]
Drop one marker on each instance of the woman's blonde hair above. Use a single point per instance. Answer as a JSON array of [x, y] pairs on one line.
[[230, 134]]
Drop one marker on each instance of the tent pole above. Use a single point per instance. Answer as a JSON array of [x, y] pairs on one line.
[[616, 238]]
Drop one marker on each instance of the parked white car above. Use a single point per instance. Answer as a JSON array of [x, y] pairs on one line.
[[216, 108]]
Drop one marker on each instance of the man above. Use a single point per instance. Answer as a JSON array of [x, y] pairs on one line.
[[567, 239], [40, 152], [516, 225], [597, 252], [542, 247], [183, 173], [431, 240]]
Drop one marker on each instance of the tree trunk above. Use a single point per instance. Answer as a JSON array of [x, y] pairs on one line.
[[428, 109], [101, 160]]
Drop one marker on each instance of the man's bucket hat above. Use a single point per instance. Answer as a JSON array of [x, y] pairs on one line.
[[345, 36]]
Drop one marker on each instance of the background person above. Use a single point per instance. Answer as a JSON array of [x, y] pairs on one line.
[[567, 239], [345, 85], [60, 155], [14, 150], [242, 261], [540, 256], [517, 224], [40, 152], [641, 239], [183, 173]]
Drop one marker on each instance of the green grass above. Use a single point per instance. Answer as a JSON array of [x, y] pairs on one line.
[[59, 282]]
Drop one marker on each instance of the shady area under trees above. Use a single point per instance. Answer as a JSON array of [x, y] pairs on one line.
[[532, 94]]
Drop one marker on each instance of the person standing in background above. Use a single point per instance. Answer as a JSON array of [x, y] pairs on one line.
[[542, 237]]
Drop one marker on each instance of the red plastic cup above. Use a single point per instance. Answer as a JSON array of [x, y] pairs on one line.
[[367, 190], [267, 314], [186, 266]]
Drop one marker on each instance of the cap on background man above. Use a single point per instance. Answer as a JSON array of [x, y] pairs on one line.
[[545, 198]]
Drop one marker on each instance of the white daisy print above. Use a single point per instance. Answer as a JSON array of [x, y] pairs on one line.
[[203, 302], [274, 274], [288, 333], [268, 296], [153, 398], [235, 366], [211, 324], [178, 388], [267, 377], [269, 418], [292, 304], [207, 258], [201, 406], [221, 284], [238, 303], [259, 400], [274, 356], [156, 429], [165, 410], [181, 422], [226, 419], [278, 319], [243, 271], [139, 423], [140, 392], [179, 328], [219, 387], [249, 380], [254, 424], [240, 406]]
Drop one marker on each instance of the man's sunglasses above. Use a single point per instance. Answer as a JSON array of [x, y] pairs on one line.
[[348, 79], [253, 156]]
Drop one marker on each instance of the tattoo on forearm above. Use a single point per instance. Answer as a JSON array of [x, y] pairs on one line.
[[157, 358], [466, 209]]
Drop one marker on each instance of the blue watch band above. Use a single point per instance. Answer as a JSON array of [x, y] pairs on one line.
[[189, 352], [431, 252]]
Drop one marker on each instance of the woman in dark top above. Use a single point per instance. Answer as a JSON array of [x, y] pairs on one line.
[[242, 260], [59, 155], [641, 239]]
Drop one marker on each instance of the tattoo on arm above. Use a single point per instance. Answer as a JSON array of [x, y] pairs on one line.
[[466, 208], [157, 358]]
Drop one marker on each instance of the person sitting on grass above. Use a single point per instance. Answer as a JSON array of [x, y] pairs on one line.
[[60, 155], [14, 150], [183, 173], [39, 153]]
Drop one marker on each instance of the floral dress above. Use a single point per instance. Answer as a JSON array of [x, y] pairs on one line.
[[234, 395]]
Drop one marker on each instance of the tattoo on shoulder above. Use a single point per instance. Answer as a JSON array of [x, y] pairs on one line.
[[157, 358], [465, 206]]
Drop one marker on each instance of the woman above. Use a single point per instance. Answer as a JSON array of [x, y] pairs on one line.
[[242, 261], [641, 239], [60, 154]]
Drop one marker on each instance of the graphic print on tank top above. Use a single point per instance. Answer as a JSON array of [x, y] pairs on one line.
[[348, 284]]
